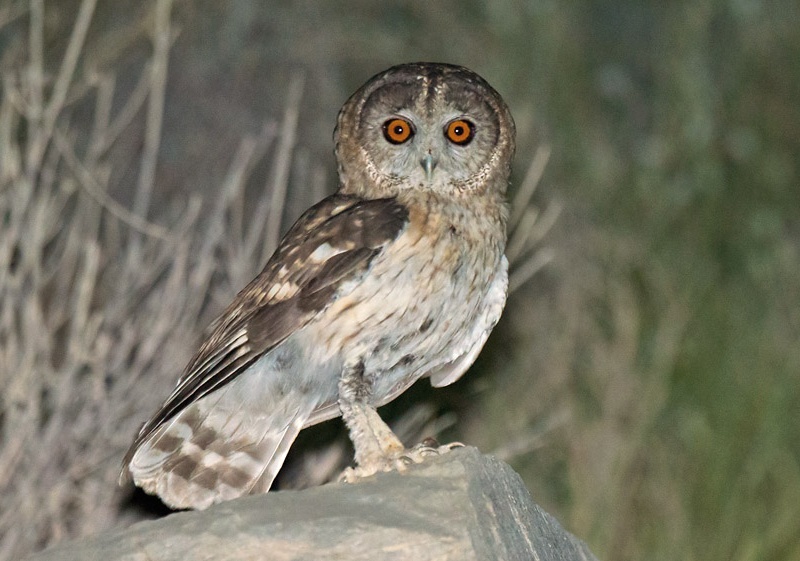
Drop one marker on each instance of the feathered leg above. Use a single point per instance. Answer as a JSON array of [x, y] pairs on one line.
[[377, 448]]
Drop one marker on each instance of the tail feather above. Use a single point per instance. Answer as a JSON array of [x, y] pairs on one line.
[[217, 449]]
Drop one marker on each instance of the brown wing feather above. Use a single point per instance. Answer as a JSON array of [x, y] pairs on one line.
[[333, 242]]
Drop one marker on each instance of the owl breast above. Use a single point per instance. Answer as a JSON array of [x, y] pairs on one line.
[[411, 315]]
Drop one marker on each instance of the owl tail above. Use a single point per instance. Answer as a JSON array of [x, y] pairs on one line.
[[210, 453]]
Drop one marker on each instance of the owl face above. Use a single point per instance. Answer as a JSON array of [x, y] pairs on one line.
[[425, 126]]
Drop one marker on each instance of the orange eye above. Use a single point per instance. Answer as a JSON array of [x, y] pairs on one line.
[[397, 130], [460, 131]]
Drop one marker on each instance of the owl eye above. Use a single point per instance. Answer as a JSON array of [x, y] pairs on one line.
[[397, 130], [460, 132]]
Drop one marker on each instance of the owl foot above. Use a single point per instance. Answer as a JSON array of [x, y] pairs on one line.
[[430, 447], [376, 447], [399, 462]]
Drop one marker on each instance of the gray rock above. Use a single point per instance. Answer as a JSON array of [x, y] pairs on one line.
[[458, 506]]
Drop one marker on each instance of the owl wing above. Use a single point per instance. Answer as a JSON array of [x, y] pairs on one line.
[[328, 248]]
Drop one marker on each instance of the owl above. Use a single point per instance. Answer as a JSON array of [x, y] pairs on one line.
[[399, 275]]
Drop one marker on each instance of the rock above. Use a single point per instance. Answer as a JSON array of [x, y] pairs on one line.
[[458, 506]]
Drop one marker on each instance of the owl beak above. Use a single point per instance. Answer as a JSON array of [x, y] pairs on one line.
[[428, 164]]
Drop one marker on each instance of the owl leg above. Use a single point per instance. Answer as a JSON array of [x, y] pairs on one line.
[[376, 446]]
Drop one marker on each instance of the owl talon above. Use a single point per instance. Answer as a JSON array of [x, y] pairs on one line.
[[349, 475], [400, 463], [430, 447]]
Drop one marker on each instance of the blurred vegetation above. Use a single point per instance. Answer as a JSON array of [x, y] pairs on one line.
[[645, 383]]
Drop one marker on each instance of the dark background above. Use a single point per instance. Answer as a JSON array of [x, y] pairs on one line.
[[644, 383]]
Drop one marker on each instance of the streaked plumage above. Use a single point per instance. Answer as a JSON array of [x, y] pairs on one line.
[[398, 276]]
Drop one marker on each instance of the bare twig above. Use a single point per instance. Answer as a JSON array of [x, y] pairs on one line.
[[125, 116], [533, 439], [35, 67], [155, 108], [102, 116], [10, 12], [528, 226], [529, 183], [523, 272], [90, 185], [258, 220], [10, 155], [279, 181], [65, 74]]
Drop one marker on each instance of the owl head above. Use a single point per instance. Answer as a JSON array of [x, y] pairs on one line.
[[427, 126]]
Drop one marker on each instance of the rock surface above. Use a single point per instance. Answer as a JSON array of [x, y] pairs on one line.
[[459, 506]]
